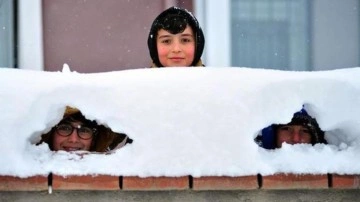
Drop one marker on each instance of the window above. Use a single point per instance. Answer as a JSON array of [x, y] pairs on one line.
[[7, 33], [281, 34], [271, 34]]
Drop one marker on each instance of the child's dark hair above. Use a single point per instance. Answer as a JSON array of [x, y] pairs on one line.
[[174, 23]]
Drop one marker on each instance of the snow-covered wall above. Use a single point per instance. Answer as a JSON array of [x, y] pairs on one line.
[[184, 121]]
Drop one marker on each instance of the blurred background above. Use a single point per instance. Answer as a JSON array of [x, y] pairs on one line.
[[111, 35]]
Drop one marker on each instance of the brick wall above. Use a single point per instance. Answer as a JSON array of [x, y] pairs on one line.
[[107, 182]]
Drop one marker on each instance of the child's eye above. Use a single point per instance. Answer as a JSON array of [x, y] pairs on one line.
[[285, 128], [166, 41], [186, 40], [305, 130]]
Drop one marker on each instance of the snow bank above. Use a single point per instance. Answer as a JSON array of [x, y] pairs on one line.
[[184, 121]]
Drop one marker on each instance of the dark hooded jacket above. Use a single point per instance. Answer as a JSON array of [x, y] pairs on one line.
[[174, 20], [105, 139], [267, 138]]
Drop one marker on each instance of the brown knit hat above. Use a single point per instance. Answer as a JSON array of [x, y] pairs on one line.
[[70, 111]]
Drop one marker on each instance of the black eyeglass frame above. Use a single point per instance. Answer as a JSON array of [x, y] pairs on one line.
[[93, 130]]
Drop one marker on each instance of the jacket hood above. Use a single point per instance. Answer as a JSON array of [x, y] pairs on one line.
[[172, 20]]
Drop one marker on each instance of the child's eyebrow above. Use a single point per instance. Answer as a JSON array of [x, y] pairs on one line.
[[164, 36], [186, 35]]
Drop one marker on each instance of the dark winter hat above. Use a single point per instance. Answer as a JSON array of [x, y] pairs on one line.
[[268, 135], [174, 20]]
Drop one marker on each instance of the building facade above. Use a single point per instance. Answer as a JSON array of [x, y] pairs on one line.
[[111, 35]]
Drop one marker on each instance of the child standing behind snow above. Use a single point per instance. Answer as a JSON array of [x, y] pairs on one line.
[[176, 39]]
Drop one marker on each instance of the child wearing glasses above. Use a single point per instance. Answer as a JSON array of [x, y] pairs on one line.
[[76, 133]]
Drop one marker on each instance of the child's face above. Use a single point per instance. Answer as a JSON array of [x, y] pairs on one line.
[[69, 137], [176, 50], [292, 134]]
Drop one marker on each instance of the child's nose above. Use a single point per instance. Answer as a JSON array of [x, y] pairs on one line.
[[296, 136], [73, 137], [176, 47]]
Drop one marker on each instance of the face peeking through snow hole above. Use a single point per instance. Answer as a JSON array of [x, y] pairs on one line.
[[292, 134], [73, 135], [76, 133], [302, 129]]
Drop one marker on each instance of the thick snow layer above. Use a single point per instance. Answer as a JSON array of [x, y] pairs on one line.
[[184, 121]]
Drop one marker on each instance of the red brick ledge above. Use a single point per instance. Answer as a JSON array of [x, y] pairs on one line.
[[34, 183], [345, 181], [107, 182], [87, 182], [225, 183], [155, 183], [294, 181]]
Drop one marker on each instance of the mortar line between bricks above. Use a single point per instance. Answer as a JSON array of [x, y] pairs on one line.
[[259, 181], [50, 182], [191, 182], [330, 180], [50, 179], [121, 182]]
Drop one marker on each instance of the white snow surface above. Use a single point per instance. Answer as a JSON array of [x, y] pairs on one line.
[[184, 121]]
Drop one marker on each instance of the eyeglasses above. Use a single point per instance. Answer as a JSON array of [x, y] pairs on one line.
[[66, 129]]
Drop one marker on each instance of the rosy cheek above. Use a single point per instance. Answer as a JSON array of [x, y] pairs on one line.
[[88, 144], [306, 139], [162, 51], [57, 141], [283, 137], [191, 54], [193, 51]]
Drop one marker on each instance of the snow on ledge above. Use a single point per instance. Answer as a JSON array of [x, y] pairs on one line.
[[184, 121]]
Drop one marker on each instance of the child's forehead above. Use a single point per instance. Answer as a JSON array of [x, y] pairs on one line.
[[72, 120], [296, 125], [187, 31]]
